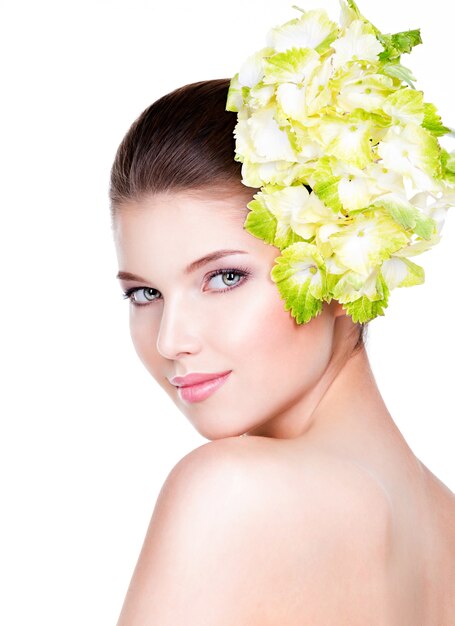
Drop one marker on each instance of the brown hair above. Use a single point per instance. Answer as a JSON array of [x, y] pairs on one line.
[[182, 141]]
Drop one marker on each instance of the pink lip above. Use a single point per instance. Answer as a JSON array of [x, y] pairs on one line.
[[201, 391], [194, 379]]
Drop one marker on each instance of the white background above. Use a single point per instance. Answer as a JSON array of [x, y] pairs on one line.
[[87, 436]]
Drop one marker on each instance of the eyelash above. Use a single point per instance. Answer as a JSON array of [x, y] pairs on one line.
[[240, 271]]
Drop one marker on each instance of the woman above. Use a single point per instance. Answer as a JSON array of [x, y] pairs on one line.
[[307, 506]]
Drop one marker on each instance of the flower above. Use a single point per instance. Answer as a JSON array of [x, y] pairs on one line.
[[346, 153]]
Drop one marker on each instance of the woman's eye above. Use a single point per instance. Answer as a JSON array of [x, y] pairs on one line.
[[140, 295], [225, 278]]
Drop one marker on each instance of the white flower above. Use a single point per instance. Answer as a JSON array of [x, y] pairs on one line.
[[308, 31], [358, 43]]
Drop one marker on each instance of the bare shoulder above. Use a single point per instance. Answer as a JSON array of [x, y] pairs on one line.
[[286, 478], [196, 558], [242, 534], [271, 476]]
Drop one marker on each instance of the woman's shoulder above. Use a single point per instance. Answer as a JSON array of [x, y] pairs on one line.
[[272, 540], [265, 459], [308, 521], [293, 499], [270, 462], [276, 470]]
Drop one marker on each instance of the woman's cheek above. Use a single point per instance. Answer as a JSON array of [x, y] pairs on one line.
[[143, 336]]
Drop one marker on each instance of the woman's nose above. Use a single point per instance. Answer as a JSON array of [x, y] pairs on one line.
[[179, 330]]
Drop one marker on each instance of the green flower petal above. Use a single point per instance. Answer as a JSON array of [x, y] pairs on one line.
[[405, 105], [293, 66], [270, 142], [364, 310], [414, 248], [400, 272], [357, 43], [297, 211], [407, 215], [234, 100], [432, 121], [352, 286], [448, 166], [260, 95], [291, 101], [313, 29], [413, 152], [301, 280], [259, 221], [346, 139], [326, 184], [367, 241], [358, 88]]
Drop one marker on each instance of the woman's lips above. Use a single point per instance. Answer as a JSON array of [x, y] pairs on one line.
[[201, 391], [195, 378]]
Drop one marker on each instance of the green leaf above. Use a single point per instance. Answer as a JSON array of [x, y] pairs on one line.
[[406, 40], [398, 44]]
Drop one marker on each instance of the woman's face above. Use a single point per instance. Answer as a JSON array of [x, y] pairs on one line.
[[194, 321]]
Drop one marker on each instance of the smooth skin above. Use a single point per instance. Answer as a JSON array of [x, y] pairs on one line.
[[320, 514]]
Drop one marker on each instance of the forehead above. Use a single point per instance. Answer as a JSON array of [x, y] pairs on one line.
[[188, 203], [183, 226]]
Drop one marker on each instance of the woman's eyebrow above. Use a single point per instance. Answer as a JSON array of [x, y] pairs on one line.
[[192, 267]]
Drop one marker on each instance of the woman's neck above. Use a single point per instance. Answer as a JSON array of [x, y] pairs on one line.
[[343, 412]]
